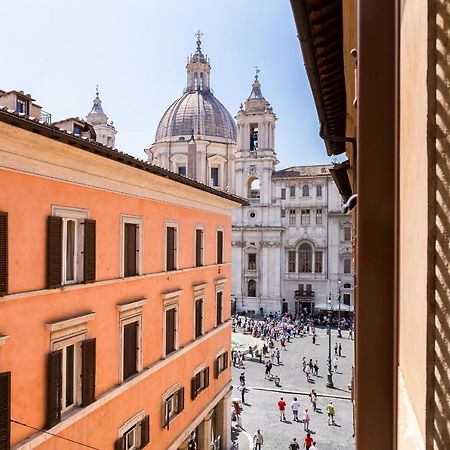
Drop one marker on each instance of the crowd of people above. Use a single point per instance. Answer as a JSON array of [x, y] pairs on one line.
[[276, 332]]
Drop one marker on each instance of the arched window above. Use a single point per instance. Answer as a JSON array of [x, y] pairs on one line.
[[201, 80], [305, 256], [305, 190], [195, 80], [251, 288], [253, 188]]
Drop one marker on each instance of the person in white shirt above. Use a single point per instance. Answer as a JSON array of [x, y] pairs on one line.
[[295, 405], [258, 440]]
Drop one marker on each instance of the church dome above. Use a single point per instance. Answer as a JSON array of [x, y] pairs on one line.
[[198, 111]]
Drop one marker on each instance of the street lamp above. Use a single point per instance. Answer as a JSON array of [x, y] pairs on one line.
[[329, 374], [339, 300]]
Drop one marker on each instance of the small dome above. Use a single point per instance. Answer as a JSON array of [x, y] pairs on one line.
[[199, 111]]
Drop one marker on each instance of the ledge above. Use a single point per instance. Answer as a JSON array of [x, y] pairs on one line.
[[199, 287], [131, 305], [171, 294], [67, 323], [3, 339], [220, 281]]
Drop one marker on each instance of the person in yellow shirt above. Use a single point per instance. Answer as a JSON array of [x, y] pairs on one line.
[[330, 412]]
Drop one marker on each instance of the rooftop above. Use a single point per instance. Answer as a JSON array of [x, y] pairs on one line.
[[303, 171]]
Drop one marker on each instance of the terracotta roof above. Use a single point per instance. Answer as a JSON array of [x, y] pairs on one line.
[[303, 171], [51, 131], [320, 31]]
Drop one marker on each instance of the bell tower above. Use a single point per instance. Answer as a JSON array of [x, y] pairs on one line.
[[255, 155]]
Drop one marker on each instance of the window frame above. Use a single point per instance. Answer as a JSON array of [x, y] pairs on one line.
[[319, 190], [169, 395], [305, 217], [248, 288], [171, 300], [202, 246], [130, 313], [304, 264], [176, 225], [220, 289], [344, 260], [220, 229], [292, 191], [305, 190], [201, 370], [283, 193], [135, 423], [139, 222], [318, 262], [319, 216], [198, 295], [291, 260], [346, 228], [293, 217], [222, 361]]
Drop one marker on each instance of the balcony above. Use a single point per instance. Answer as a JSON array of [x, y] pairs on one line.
[[304, 295]]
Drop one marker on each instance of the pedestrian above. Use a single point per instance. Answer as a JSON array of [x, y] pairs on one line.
[[314, 339], [294, 445], [303, 363], [336, 349], [258, 440], [267, 370], [242, 389], [276, 380], [234, 357], [313, 399], [340, 350], [308, 441], [282, 408], [295, 406], [335, 364], [242, 378], [307, 372], [331, 412], [350, 333], [278, 356], [313, 446], [316, 368], [306, 420]]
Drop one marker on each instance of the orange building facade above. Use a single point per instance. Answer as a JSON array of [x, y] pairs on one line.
[[114, 311]]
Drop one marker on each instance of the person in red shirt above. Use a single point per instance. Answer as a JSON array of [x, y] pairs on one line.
[[308, 441], [282, 407]]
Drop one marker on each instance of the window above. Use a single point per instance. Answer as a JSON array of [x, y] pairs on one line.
[[132, 232], [347, 233], [200, 381], [198, 247], [318, 262], [219, 307], [254, 188], [71, 245], [170, 321], [254, 144], [291, 261], [251, 261], [70, 367], [5, 422], [251, 288], [3, 253], [198, 318], [22, 106], [292, 191], [171, 247], [292, 217], [173, 404], [214, 176], [347, 265], [347, 285], [305, 258], [221, 363], [283, 193], [346, 299], [219, 247], [318, 217], [305, 219], [182, 170], [77, 129], [305, 190], [130, 322], [319, 191], [283, 213]]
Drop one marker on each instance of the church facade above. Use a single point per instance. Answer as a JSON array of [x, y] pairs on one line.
[[291, 247]]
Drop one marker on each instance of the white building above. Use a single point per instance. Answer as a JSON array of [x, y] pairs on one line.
[[292, 248]]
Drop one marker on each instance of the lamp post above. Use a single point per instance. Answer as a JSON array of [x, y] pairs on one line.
[[329, 374], [339, 300]]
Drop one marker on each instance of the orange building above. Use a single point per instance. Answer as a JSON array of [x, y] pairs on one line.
[[114, 307]]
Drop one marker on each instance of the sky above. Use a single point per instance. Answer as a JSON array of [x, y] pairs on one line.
[[58, 51]]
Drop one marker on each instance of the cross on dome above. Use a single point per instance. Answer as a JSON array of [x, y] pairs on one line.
[[199, 35], [257, 73]]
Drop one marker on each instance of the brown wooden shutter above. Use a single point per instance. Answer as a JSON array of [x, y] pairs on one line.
[[145, 431], [54, 388], [193, 388], [198, 248], [216, 368], [225, 361], [165, 420], [88, 348], [170, 254], [130, 249], [54, 251], [170, 330], [219, 308], [219, 247], [207, 377], [3, 253], [5, 410], [89, 250], [120, 444], [180, 394], [129, 349], [198, 318]]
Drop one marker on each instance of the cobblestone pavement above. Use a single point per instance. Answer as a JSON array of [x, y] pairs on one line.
[[261, 411]]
